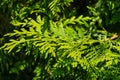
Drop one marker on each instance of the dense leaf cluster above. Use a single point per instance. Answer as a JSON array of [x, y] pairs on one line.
[[59, 39]]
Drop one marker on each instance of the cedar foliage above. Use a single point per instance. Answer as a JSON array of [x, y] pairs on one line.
[[59, 39]]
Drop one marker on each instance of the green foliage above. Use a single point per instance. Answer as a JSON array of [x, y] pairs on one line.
[[109, 11], [49, 42]]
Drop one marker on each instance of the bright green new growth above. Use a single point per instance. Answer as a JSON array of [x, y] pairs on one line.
[[61, 46]]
